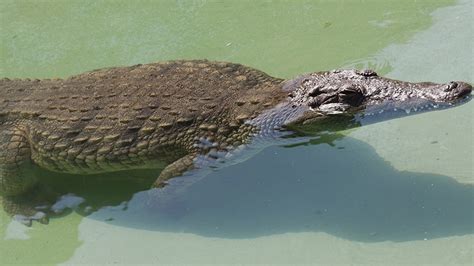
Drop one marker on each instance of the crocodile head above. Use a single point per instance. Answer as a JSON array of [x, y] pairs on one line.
[[363, 97]]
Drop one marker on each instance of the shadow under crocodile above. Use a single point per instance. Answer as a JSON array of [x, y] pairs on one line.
[[345, 190]]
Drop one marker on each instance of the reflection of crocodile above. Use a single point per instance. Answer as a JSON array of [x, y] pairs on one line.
[[166, 115]]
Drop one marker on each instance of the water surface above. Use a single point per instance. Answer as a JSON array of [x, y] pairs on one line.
[[398, 192]]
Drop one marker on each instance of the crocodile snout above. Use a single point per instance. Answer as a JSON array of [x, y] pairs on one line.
[[459, 89]]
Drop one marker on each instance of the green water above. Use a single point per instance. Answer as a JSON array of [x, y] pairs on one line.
[[398, 192]]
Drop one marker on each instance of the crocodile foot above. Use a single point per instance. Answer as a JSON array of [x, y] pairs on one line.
[[32, 206], [24, 212]]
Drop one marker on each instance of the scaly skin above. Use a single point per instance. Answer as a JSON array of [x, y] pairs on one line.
[[164, 115]]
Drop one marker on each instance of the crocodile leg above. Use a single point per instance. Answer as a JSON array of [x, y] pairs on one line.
[[17, 180], [15, 157], [167, 196], [175, 169]]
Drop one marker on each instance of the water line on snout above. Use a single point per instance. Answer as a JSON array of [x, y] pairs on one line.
[[392, 110]]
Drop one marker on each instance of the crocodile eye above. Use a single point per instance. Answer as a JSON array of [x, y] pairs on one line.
[[351, 95]]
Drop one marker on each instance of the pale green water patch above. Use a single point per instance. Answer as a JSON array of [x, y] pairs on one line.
[[285, 38], [40, 244]]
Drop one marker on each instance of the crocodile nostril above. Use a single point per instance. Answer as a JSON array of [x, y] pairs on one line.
[[451, 86]]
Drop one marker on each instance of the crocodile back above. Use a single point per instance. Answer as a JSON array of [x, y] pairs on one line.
[[118, 111]]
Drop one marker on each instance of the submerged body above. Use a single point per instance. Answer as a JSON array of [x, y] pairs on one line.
[[166, 115]]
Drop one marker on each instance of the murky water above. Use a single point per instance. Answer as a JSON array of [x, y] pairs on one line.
[[397, 192]]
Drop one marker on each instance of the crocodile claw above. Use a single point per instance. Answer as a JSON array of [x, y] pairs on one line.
[[41, 217]]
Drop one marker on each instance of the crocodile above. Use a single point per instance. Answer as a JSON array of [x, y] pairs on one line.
[[182, 116]]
